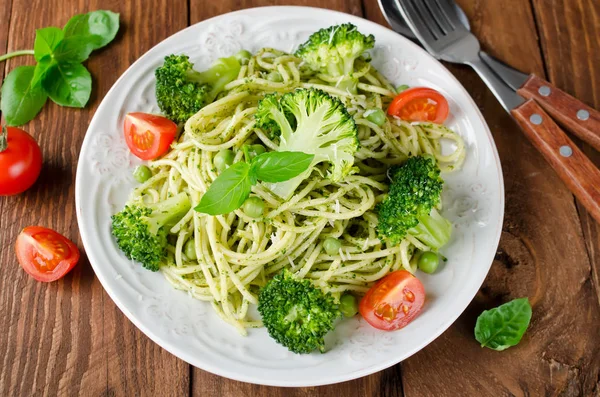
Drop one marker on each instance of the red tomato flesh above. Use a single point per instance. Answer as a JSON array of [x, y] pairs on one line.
[[45, 254], [148, 135], [420, 104], [393, 302], [20, 161]]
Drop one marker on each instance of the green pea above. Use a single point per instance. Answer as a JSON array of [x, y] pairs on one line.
[[332, 245], [348, 305], [255, 150], [243, 57], [376, 116], [189, 249], [428, 262], [401, 88], [223, 159], [275, 77], [142, 173], [253, 207]]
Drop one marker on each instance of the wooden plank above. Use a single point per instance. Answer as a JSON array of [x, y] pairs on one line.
[[5, 18], [570, 38], [68, 337], [201, 10], [572, 61], [387, 382], [541, 254]]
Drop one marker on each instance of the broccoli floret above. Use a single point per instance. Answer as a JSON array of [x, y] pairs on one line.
[[415, 191], [182, 91], [141, 229], [333, 51], [296, 313], [310, 121]]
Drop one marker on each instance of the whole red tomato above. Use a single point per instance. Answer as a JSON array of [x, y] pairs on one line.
[[20, 161]]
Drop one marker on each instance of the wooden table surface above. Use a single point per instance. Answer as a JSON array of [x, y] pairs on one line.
[[68, 337]]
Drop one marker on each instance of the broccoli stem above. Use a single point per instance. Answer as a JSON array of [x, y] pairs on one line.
[[223, 71], [433, 230], [348, 84], [168, 212]]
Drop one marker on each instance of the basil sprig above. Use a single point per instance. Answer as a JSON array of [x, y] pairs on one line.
[[504, 326], [58, 73], [229, 191]]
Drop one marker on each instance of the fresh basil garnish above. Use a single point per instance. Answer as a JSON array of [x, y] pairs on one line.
[[68, 84], [20, 99], [58, 73], [229, 191], [276, 167], [46, 40], [504, 326], [100, 27], [74, 49]]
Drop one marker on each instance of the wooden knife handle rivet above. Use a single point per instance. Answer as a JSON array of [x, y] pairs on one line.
[[565, 151], [583, 114], [544, 90], [536, 119]]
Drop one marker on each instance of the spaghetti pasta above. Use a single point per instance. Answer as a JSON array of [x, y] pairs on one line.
[[236, 254]]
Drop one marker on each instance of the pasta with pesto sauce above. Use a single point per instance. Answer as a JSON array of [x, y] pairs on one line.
[[236, 254]]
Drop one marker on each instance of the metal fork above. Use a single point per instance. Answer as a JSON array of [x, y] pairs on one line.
[[513, 78], [441, 32]]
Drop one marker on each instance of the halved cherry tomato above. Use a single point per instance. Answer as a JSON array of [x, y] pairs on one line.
[[45, 254], [148, 135], [393, 302], [20, 161], [419, 104]]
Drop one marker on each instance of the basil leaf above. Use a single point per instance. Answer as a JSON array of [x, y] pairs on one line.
[[99, 27], [276, 167], [46, 40], [75, 49], [68, 84], [228, 192], [504, 326], [20, 99], [40, 70]]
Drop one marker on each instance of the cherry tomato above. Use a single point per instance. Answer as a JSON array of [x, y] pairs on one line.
[[148, 135], [45, 254], [419, 104], [393, 302], [20, 161]]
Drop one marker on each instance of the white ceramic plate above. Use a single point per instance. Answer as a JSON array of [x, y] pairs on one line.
[[474, 200]]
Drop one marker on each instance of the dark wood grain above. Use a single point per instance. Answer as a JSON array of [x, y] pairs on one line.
[[571, 42], [68, 337], [201, 10], [564, 108], [574, 168]]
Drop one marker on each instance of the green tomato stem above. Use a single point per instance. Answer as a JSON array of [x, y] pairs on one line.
[[15, 54], [3, 139]]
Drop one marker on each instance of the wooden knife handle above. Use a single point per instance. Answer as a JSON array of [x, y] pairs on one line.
[[574, 168], [573, 114]]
